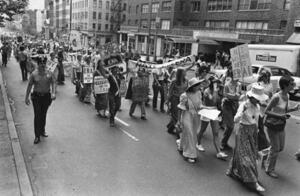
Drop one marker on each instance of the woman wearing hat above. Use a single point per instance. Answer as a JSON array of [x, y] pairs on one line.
[[243, 164], [189, 119], [212, 99]]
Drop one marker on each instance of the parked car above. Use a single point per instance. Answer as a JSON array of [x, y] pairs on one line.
[[276, 73]]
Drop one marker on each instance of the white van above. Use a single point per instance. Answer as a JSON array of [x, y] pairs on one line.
[[285, 56]]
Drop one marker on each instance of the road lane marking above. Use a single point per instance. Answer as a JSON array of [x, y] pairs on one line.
[[129, 135], [122, 122]]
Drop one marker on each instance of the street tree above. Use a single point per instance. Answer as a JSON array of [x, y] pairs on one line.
[[10, 8]]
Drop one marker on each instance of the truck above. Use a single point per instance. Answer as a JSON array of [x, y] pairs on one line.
[[285, 56]]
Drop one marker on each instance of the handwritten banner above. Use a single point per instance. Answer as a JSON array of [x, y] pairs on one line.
[[88, 75], [101, 85], [241, 65]]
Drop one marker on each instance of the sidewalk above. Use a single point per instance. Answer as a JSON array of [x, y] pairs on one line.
[[14, 179]]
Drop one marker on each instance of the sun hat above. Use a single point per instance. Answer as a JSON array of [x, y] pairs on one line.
[[195, 82], [257, 92]]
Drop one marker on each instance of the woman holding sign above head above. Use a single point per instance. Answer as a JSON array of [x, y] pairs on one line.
[[100, 90]]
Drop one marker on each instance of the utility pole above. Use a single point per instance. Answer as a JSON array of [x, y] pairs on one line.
[[149, 30], [71, 2]]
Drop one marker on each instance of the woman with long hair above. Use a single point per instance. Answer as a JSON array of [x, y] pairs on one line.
[[212, 99], [177, 87], [189, 119]]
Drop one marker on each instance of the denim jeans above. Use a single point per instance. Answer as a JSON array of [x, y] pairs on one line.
[[141, 104], [277, 140], [158, 89], [114, 102]]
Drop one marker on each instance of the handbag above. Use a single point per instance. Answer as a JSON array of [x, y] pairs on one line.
[[274, 123]]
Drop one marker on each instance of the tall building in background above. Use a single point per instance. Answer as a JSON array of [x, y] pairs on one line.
[[193, 26]]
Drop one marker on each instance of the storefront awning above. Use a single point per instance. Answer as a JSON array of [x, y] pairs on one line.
[[207, 42], [294, 39], [223, 39], [182, 40]]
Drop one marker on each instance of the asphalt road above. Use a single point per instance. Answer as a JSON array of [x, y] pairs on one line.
[[84, 156]]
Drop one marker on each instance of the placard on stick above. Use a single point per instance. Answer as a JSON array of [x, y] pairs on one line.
[[88, 75]]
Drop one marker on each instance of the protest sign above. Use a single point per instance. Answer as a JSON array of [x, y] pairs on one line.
[[51, 65], [101, 85], [212, 114], [88, 75], [241, 65], [123, 88]]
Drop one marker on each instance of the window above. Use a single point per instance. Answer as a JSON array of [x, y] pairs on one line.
[[94, 26], [254, 4], [106, 26], [219, 5], [195, 6], [224, 24], [137, 9], [94, 15], [257, 25], [144, 24], [166, 6], [86, 3], [107, 16], [155, 7], [145, 8], [99, 27], [287, 4], [100, 4], [94, 4], [194, 23], [165, 24], [99, 16], [124, 6], [129, 9], [153, 24], [107, 5], [182, 5], [283, 24], [86, 14]]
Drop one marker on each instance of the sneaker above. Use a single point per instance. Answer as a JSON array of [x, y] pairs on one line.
[[272, 174], [221, 155], [191, 160], [225, 147], [259, 188], [178, 144], [200, 147]]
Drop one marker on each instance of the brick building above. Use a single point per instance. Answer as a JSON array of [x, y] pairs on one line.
[[192, 26]]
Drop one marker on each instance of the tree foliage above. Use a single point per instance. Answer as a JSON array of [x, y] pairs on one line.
[[10, 8]]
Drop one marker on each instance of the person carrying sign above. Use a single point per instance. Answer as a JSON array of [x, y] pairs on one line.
[[87, 79], [100, 90], [76, 73], [114, 98]]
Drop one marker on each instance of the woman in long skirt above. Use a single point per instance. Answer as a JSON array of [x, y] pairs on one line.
[[189, 119], [243, 164]]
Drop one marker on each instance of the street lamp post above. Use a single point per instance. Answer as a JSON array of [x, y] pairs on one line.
[[149, 30]]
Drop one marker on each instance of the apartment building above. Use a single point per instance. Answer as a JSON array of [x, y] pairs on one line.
[[155, 26]]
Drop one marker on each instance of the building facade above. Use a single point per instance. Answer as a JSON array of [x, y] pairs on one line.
[[193, 26]]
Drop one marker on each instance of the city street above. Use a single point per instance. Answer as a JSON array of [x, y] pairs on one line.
[[84, 156]]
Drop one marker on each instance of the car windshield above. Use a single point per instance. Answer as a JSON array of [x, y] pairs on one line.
[[279, 72], [255, 69]]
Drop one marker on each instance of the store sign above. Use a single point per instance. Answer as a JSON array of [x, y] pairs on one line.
[[241, 65], [267, 58], [297, 23], [214, 34]]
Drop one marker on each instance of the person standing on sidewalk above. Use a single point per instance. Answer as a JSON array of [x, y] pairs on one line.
[[43, 83], [60, 66], [158, 87], [4, 49], [23, 62]]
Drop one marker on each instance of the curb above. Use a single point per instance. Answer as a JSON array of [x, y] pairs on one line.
[[22, 174]]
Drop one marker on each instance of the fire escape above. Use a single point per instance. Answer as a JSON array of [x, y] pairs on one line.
[[118, 10]]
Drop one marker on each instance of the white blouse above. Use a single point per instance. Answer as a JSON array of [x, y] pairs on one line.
[[247, 113]]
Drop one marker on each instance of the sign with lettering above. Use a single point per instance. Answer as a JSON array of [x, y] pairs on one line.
[[241, 65], [267, 58], [101, 85], [51, 65], [88, 75]]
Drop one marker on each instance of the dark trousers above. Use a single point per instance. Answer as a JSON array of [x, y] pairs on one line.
[[141, 104], [41, 103], [114, 103], [23, 70], [158, 89], [61, 73], [226, 135], [4, 59]]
